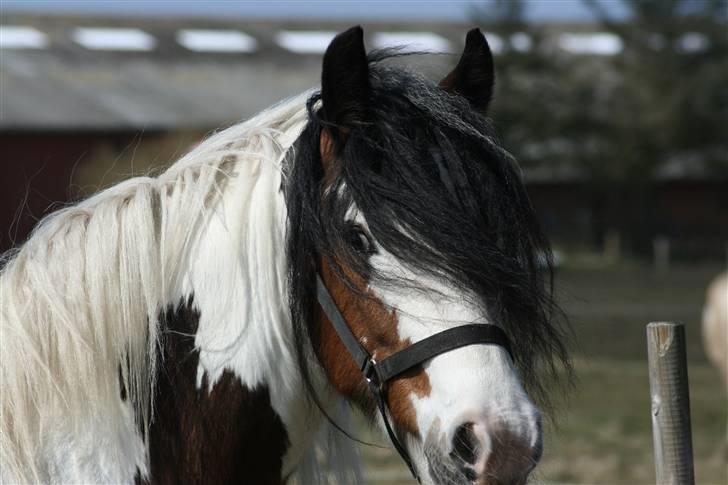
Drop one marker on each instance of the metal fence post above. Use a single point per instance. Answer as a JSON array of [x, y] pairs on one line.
[[670, 403]]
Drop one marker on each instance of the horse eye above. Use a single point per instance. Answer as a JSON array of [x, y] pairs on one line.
[[359, 240]]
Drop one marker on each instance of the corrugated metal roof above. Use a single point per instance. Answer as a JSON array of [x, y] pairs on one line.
[[56, 93], [120, 73], [128, 73]]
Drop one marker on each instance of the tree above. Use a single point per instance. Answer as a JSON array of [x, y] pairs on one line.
[[618, 122], [671, 98], [668, 108]]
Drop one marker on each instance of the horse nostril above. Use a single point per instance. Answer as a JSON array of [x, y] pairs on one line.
[[465, 445], [512, 457]]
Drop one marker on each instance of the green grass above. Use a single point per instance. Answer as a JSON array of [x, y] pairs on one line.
[[609, 308], [604, 435]]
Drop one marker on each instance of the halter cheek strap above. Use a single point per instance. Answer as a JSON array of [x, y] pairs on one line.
[[377, 374]]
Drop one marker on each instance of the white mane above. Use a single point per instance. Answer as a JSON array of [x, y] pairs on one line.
[[80, 299]]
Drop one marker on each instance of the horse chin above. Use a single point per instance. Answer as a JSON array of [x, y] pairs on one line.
[[442, 470]]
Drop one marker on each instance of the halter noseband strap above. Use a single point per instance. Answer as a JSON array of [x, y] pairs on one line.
[[377, 374]]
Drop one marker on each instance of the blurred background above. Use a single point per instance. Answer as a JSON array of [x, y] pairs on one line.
[[616, 109]]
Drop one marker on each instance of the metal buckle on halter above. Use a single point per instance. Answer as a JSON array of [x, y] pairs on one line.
[[371, 374]]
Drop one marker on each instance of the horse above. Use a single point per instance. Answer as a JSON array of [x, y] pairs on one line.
[[715, 329], [368, 245]]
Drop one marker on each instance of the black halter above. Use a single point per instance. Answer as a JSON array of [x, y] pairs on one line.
[[377, 374]]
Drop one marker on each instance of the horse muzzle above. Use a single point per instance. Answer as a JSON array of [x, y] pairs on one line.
[[484, 452]]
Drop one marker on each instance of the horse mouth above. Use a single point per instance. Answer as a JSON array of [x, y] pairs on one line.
[[468, 466], [446, 471]]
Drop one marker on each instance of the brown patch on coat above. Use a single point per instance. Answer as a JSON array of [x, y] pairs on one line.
[[368, 319], [328, 151], [230, 434]]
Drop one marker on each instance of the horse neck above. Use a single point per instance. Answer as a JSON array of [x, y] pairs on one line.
[[229, 393], [189, 265], [231, 283]]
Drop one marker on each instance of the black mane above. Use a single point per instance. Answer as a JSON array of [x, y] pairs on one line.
[[439, 194]]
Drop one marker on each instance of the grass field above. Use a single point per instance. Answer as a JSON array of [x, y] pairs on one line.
[[603, 435]]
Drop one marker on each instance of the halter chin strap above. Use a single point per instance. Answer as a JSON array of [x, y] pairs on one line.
[[377, 374]]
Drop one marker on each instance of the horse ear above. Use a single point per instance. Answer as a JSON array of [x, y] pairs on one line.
[[473, 77], [345, 80]]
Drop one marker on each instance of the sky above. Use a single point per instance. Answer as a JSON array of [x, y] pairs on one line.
[[400, 10]]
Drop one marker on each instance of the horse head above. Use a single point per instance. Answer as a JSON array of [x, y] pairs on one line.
[[369, 243], [404, 210]]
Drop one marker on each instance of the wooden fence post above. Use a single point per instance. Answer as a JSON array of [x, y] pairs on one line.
[[670, 403]]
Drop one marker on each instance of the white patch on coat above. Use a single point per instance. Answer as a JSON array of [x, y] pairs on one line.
[[111, 457], [83, 295], [238, 279], [244, 324]]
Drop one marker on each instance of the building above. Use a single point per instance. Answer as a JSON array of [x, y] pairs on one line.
[[85, 101]]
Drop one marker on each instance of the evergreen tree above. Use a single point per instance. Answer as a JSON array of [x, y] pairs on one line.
[[618, 122]]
